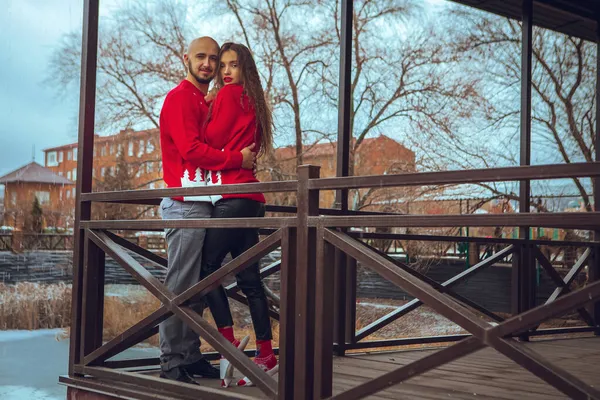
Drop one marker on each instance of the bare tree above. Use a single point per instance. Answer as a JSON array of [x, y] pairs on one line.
[[402, 86], [406, 82], [563, 78], [139, 60], [290, 45]]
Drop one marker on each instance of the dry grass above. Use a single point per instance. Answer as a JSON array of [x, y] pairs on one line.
[[35, 306], [122, 312]]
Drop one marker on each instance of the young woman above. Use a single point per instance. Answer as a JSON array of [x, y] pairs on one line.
[[239, 116]]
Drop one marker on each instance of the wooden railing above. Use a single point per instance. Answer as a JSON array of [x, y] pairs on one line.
[[319, 254], [498, 333]]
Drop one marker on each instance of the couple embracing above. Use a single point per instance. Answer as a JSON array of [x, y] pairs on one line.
[[213, 140]]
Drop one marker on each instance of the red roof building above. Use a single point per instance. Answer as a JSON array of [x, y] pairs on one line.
[[23, 185]]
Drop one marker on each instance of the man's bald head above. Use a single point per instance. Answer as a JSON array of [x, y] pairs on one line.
[[202, 42], [201, 59]]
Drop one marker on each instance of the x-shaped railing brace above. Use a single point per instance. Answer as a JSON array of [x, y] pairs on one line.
[[563, 286], [483, 333], [178, 305]]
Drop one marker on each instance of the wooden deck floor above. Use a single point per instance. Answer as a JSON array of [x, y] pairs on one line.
[[485, 374]]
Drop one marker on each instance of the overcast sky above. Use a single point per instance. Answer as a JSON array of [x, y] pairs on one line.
[[31, 114]]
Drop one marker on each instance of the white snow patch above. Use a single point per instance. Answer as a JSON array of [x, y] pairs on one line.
[[12, 335], [376, 305], [133, 292], [26, 393]]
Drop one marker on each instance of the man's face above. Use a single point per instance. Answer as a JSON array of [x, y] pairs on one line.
[[202, 60]]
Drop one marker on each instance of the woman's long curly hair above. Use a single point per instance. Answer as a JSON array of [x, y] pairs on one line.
[[250, 80]]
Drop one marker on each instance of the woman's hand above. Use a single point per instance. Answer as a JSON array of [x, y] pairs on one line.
[[249, 157]]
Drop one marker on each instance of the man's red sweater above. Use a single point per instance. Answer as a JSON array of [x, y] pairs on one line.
[[185, 153], [232, 127]]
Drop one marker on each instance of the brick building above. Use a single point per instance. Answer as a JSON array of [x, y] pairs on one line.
[[141, 152], [375, 156], [33, 180]]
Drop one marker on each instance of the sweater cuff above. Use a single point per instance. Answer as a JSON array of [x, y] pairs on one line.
[[236, 159]]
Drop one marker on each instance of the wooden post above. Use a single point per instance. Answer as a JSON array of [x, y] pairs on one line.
[[324, 312], [345, 268], [92, 290], [287, 322], [308, 205], [594, 263], [523, 267], [87, 105]]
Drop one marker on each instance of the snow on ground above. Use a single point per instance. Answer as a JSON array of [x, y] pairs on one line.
[[130, 291], [13, 335], [422, 321], [31, 363], [25, 393], [376, 305]]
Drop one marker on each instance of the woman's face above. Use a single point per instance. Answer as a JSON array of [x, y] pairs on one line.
[[229, 69]]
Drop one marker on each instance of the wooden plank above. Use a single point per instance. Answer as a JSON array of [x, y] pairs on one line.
[[495, 378], [485, 373], [156, 383], [146, 254], [469, 239], [444, 387], [324, 318], [455, 366], [212, 336], [406, 390], [508, 390], [141, 274], [149, 194], [541, 313], [440, 303], [241, 391], [570, 276], [88, 387], [308, 204], [138, 332], [560, 283], [190, 223], [503, 174], [92, 306], [287, 309], [418, 367], [481, 375], [87, 106], [578, 220]]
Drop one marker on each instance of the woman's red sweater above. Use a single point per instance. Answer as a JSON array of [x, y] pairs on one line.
[[232, 127]]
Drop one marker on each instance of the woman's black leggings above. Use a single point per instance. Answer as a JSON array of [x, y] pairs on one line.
[[219, 242]]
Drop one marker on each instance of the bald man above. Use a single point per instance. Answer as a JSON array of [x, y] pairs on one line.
[[185, 157]]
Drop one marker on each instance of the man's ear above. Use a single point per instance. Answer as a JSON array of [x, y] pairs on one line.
[[185, 59]]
